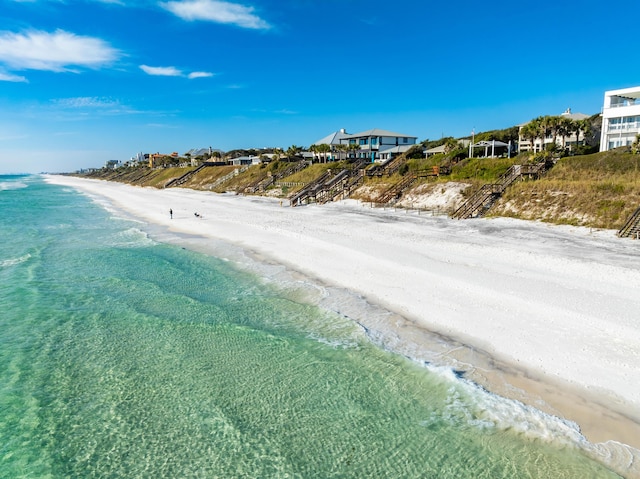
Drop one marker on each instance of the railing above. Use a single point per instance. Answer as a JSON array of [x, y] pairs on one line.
[[635, 126], [484, 198], [183, 179], [626, 102], [631, 227], [227, 177], [396, 190]]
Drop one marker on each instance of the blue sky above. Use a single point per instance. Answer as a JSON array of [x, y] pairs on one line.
[[85, 81]]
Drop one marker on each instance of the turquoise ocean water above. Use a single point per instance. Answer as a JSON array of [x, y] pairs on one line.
[[122, 357]]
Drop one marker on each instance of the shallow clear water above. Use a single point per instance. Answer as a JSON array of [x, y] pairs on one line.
[[123, 357]]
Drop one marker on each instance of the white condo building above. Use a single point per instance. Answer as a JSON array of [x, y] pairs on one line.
[[620, 118]]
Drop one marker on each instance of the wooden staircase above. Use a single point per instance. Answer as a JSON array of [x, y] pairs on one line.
[[263, 183], [329, 186], [486, 196], [183, 179], [387, 168], [395, 191], [631, 228]]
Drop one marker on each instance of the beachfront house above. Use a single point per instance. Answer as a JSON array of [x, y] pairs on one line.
[[378, 145], [620, 118], [573, 138], [246, 160], [333, 147]]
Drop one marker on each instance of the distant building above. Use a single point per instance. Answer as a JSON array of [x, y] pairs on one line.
[[378, 145], [112, 164], [620, 118], [334, 142], [572, 139], [246, 160]]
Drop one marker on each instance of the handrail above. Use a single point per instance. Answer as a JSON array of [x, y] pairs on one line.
[[633, 221], [182, 179]]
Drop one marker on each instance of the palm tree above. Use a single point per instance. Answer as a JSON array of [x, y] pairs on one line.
[[293, 151], [565, 128], [583, 126], [353, 147], [324, 149], [314, 149], [342, 147], [530, 132]]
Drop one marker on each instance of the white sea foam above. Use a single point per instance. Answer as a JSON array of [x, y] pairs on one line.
[[13, 185], [132, 238], [14, 261]]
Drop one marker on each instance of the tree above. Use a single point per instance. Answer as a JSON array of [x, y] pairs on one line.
[[323, 149], [530, 132], [450, 145], [293, 151], [353, 148], [342, 147], [565, 128], [635, 147]]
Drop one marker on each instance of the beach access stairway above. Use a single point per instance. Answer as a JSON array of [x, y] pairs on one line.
[[631, 228], [183, 179], [394, 192], [480, 202], [387, 168], [263, 183], [329, 186]]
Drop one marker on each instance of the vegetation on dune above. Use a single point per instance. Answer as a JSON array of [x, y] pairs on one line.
[[600, 190], [597, 190]]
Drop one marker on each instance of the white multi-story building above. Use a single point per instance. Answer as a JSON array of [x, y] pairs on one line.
[[379, 145], [571, 140], [620, 118]]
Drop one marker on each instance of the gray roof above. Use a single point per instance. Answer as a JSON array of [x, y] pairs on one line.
[[435, 149], [333, 138], [395, 149], [379, 132], [489, 143]]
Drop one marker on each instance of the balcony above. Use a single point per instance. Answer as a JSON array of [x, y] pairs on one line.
[[623, 127]]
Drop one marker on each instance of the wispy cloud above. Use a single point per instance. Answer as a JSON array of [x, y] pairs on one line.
[[193, 75], [58, 51], [84, 107], [173, 72], [12, 78], [161, 71], [218, 12], [86, 102]]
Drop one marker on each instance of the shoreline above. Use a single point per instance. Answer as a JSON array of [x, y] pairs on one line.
[[436, 284]]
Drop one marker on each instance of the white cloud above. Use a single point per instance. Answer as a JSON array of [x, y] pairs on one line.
[[86, 102], [216, 11], [12, 78], [193, 75], [173, 72], [56, 51], [161, 71]]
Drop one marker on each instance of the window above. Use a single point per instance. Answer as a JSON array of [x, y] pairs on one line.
[[374, 141], [364, 141], [405, 140]]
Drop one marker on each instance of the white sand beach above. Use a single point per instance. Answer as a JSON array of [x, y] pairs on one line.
[[549, 315]]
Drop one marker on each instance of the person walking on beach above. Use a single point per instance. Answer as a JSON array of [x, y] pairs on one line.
[[170, 213]]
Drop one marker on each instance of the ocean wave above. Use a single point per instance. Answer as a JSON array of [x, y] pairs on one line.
[[13, 185], [469, 404], [132, 238], [14, 261]]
